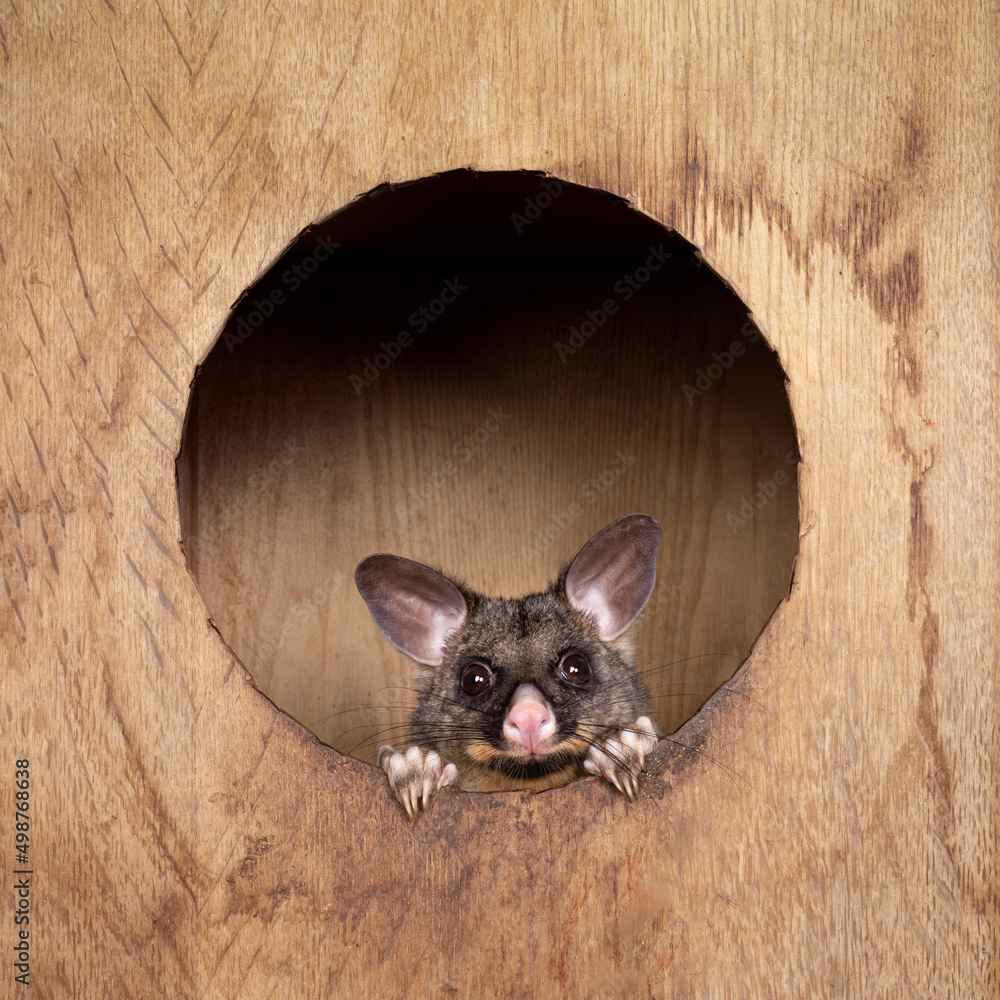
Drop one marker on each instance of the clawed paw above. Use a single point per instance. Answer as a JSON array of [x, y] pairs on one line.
[[415, 776], [619, 759]]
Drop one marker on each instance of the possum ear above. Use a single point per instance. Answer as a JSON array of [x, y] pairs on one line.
[[414, 607], [613, 574]]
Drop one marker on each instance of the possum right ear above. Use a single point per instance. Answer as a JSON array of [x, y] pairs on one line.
[[613, 575], [414, 607]]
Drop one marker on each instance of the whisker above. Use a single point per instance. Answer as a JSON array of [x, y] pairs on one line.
[[678, 664], [725, 767]]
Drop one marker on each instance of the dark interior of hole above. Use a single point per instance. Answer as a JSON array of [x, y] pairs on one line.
[[317, 435]]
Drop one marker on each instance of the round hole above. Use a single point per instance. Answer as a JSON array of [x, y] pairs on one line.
[[479, 371]]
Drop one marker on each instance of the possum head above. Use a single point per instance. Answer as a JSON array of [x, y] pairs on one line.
[[515, 692]]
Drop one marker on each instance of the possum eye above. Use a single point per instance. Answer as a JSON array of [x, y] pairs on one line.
[[477, 679], [574, 668]]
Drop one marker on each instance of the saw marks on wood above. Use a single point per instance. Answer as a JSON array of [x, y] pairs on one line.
[[833, 831]]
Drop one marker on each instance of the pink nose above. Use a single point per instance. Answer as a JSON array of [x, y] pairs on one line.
[[530, 719]]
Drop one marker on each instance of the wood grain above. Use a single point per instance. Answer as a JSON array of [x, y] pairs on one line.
[[833, 831]]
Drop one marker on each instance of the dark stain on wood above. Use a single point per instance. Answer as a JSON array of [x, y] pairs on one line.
[[861, 227]]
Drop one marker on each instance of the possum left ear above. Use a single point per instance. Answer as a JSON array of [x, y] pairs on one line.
[[414, 606], [612, 576]]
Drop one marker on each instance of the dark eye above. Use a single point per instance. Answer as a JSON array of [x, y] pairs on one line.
[[477, 679], [574, 668]]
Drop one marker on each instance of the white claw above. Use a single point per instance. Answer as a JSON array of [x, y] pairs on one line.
[[415, 776], [620, 759], [641, 738]]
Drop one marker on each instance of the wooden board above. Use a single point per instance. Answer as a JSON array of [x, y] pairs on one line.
[[833, 831]]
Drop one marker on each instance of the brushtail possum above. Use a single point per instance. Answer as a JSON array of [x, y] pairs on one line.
[[521, 694]]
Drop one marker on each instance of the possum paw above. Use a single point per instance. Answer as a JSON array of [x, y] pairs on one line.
[[415, 776], [619, 759]]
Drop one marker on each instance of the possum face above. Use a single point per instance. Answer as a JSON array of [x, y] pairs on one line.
[[524, 689]]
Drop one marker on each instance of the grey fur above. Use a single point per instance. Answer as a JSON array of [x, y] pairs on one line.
[[523, 641]]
